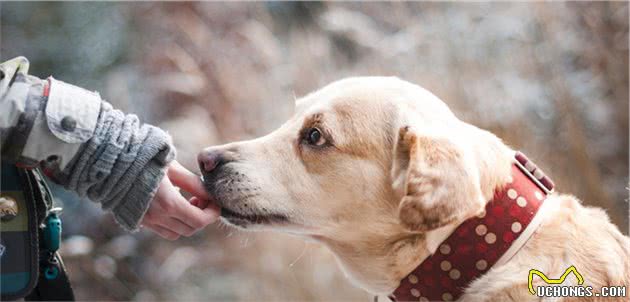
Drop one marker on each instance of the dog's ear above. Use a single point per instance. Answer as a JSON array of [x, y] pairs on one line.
[[439, 185]]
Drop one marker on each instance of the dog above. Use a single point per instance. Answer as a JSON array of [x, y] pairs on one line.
[[381, 172]]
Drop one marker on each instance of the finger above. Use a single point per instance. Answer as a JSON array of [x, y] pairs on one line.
[[195, 202], [196, 217], [212, 209], [209, 207], [165, 185], [163, 232], [187, 180], [198, 202], [177, 226], [163, 211]]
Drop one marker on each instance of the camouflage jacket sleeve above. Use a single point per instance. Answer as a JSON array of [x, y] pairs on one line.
[[81, 142]]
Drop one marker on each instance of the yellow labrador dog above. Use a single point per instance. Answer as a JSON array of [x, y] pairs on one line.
[[382, 172]]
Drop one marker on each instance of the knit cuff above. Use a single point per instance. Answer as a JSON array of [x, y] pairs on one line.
[[121, 166], [130, 211]]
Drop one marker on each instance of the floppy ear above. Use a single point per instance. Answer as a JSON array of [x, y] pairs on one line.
[[439, 184]]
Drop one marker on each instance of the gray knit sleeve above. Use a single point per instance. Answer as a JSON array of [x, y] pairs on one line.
[[121, 166], [81, 142]]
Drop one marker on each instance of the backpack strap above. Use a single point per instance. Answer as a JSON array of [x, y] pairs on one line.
[[53, 283]]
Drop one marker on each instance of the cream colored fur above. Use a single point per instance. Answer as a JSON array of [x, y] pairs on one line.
[[398, 173]]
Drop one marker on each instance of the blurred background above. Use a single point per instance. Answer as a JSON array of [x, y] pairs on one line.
[[551, 79]]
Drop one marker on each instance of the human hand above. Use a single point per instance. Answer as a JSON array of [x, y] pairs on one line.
[[170, 215]]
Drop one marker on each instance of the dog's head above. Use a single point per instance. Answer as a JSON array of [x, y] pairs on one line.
[[361, 158]]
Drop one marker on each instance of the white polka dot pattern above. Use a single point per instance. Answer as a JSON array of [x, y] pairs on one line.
[[512, 193], [415, 292], [490, 238], [454, 274], [413, 279], [478, 243], [516, 227], [481, 230], [445, 265], [445, 249], [521, 202], [481, 264]]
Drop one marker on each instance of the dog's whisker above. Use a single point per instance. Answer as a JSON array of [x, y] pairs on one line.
[[245, 241], [300, 256]]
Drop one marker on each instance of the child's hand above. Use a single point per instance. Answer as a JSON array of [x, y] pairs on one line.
[[170, 215]]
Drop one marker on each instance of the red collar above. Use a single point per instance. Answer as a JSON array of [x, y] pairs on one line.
[[480, 242]]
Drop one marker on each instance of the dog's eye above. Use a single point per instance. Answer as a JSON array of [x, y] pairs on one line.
[[314, 137]]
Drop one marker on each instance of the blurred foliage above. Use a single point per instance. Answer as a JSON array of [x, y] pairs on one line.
[[551, 79]]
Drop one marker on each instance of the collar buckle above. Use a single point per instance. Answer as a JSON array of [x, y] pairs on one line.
[[534, 173]]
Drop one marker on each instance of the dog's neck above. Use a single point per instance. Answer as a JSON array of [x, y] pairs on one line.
[[378, 260]]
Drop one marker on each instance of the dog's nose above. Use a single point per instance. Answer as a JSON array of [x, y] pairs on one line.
[[210, 159]]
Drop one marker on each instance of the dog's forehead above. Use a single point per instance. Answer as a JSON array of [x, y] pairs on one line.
[[364, 114], [372, 94], [360, 113]]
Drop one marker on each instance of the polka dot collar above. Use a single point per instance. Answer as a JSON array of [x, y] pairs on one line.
[[483, 241]]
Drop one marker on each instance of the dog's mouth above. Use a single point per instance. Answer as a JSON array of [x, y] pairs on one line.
[[237, 201], [244, 220]]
